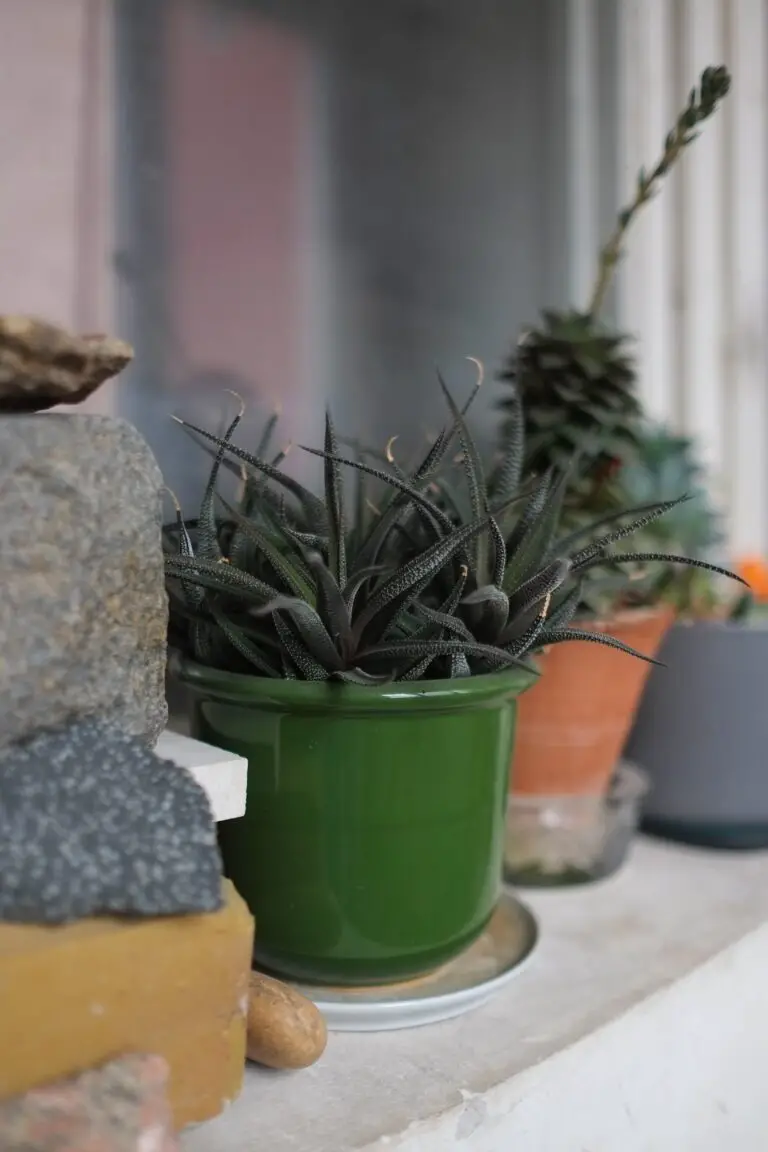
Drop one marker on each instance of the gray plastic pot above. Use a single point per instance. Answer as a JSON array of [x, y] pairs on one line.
[[701, 734]]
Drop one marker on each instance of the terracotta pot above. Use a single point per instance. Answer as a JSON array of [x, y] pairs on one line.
[[574, 721]]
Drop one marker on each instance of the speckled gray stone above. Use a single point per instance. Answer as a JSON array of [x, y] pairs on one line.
[[92, 821], [83, 610]]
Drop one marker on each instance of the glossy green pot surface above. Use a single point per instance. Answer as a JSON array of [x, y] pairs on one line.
[[371, 848]]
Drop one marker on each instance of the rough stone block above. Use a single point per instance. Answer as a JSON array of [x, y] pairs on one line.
[[120, 1107], [92, 821], [75, 996], [83, 615]]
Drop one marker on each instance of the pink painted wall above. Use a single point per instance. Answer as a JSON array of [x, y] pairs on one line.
[[55, 162], [235, 123]]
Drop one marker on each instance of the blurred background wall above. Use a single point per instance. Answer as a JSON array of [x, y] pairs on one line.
[[311, 200]]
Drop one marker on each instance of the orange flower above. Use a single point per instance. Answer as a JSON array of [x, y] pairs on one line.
[[754, 569]]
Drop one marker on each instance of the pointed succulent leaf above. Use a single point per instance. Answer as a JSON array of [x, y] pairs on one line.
[[538, 587], [334, 606], [312, 630], [510, 469], [418, 571], [660, 558], [299, 654], [208, 542], [242, 644], [334, 503], [561, 616], [408, 649], [219, 577], [595, 547], [537, 540], [314, 508], [289, 572], [561, 635]]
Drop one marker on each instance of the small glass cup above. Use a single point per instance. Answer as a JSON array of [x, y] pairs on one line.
[[553, 841]]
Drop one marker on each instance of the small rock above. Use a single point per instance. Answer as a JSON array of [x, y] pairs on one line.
[[92, 822], [42, 365], [120, 1107], [285, 1030], [84, 613]]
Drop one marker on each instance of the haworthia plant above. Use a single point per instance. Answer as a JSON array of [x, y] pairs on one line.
[[286, 583]]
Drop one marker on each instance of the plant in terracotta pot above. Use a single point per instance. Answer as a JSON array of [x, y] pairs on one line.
[[365, 651], [701, 729], [574, 380]]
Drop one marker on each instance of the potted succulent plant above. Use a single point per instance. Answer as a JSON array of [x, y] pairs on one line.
[[701, 730], [365, 651], [575, 382]]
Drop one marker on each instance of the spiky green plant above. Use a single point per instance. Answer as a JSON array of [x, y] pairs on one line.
[[574, 378], [283, 586], [666, 464]]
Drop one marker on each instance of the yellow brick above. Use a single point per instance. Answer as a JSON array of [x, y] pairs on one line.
[[77, 995]]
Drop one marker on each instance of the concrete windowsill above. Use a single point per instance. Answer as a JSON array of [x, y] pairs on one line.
[[640, 1026]]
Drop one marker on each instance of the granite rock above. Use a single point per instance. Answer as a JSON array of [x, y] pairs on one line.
[[42, 365], [92, 822], [83, 611], [120, 1107]]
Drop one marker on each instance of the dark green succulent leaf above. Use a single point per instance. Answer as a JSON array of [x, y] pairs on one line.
[[510, 470], [563, 613], [242, 644], [208, 540], [565, 546], [499, 553], [313, 507], [334, 503], [267, 434], [299, 654], [596, 547], [335, 610], [559, 636], [473, 470], [534, 545], [220, 577], [660, 558], [355, 582], [495, 603], [445, 621], [415, 575], [527, 639], [410, 649], [312, 631], [538, 587], [289, 571]]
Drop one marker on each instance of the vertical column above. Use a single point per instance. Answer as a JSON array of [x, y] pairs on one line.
[[702, 170], [646, 277], [746, 368], [582, 114]]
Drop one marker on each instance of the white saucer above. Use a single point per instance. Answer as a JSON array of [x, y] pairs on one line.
[[459, 986]]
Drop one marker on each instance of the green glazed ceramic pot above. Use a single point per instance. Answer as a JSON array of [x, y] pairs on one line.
[[371, 849]]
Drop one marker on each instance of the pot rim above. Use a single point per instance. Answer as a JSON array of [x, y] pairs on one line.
[[329, 696]]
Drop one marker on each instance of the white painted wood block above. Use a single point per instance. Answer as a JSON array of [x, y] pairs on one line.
[[222, 775]]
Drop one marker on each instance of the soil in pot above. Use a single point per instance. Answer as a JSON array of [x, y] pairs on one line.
[[371, 849], [573, 723]]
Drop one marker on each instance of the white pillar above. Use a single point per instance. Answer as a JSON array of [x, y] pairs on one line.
[[646, 299], [746, 360], [703, 173], [582, 113]]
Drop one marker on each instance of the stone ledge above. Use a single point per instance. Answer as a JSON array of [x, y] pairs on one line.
[[638, 1026], [222, 775]]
